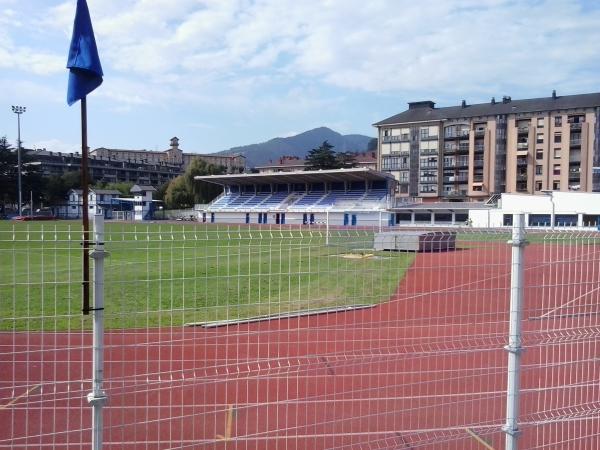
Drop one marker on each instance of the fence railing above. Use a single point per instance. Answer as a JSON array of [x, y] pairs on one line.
[[292, 337]]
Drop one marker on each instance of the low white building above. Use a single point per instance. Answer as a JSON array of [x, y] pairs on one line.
[[143, 205], [555, 209], [100, 201]]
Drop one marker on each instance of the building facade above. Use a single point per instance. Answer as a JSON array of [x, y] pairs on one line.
[[470, 152], [105, 169], [171, 156], [366, 160]]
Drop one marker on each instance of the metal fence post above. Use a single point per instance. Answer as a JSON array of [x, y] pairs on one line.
[[97, 398], [327, 227], [518, 242]]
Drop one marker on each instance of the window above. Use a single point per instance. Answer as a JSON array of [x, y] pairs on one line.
[[422, 217], [558, 121], [540, 138], [557, 153], [428, 146], [590, 220], [538, 170], [556, 170], [540, 122], [429, 132], [565, 220], [539, 154], [557, 138], [538, 185], [539, 220], [556, 186]]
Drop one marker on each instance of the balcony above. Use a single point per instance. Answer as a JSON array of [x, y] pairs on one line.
[[522, 145], [429, 137], [401, 138], [477, 178], [462, 134], [522, 163], [575, 143], [390, 167], [429, 165], [478, 163], [456, 179], [523, 130], [521, 177], [575, 126], [456, 193], [479, 147], [479, 132], [428, 151]]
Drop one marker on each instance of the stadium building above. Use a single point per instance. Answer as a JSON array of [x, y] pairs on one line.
[[351, 197]]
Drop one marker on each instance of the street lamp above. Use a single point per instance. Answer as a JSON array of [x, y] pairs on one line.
[[550, 194], [18, 110]]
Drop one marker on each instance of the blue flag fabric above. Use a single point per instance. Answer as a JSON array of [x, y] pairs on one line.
[[84, 64]]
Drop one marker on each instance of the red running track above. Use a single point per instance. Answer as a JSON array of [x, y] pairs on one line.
[[425, 370]]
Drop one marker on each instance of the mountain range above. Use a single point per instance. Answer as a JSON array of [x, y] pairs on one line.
[[299, 145]]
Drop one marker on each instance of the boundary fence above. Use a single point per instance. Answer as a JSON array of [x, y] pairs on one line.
[[282, 337]]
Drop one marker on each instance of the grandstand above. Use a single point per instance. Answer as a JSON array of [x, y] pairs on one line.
[[354, 197]]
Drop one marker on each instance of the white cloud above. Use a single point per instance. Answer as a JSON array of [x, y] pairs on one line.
[[56, 145], [283, 56]]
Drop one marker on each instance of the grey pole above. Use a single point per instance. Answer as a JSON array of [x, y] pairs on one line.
[[18, 110], [514, 348], [97, 398], [327, 227]]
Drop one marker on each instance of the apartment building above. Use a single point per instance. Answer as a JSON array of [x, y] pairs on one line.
[[172, 156], [470, 152], [104, 170]]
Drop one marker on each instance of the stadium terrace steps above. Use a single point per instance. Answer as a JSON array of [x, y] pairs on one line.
[[297, 201]]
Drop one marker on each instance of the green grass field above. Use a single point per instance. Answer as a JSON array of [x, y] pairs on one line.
[[171, 274]]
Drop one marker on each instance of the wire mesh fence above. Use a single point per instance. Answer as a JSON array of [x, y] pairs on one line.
[[291, 337]]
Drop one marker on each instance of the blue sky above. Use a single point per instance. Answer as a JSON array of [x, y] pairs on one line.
[[226, 72]]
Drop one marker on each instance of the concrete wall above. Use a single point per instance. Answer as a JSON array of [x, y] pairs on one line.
[[362, 218]]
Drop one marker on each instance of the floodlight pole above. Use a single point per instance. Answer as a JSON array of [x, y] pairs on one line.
[[18, 110], [514, 348], [97, 398]]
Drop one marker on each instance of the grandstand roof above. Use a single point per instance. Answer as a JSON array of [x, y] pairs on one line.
[[312, 176]]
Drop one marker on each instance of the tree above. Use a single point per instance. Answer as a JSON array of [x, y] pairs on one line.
[[178, 195], [322, 157], [31, 180], [124, 187], [161, 192], [184, 191], [372, 145], [345, 160], [200, 191], [57, 186], [8, 173]]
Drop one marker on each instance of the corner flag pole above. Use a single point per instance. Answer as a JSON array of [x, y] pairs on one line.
[[85, 75], [85, 217]]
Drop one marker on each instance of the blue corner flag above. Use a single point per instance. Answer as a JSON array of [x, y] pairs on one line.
[[84, 64]]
